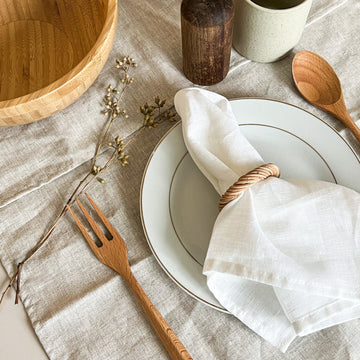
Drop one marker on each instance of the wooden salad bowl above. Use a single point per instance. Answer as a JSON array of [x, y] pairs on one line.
[[51, 51]]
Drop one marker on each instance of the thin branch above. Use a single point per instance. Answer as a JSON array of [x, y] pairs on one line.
[[20, 265], [40, 244], [106, 132], [134, 135], [124, 66], [101, 143], [107, 164], [7, 288], [112, 106]]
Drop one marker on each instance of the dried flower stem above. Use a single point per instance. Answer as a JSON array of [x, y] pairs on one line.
[[11, 282], [39, 245], [112, 110], [107, 130]]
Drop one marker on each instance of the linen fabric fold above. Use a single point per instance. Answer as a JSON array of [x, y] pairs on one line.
[[284, 257]]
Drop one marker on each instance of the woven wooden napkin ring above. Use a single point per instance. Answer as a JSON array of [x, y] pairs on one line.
[[252, 177]]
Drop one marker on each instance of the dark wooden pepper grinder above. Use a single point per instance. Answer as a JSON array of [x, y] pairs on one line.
[[206, 31]]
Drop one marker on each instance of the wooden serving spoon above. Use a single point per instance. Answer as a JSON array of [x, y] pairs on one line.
[[318, 83]]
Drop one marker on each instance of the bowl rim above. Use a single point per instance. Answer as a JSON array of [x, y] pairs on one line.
[[95, 51]]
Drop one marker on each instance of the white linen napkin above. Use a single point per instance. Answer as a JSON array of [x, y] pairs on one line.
[[284, 257]]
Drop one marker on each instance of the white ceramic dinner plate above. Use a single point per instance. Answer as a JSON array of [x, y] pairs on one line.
[[179, 206]]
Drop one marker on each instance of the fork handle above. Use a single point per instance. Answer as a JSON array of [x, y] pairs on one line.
[[171, 342]]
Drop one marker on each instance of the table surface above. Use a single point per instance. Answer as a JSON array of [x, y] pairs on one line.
[[41, 161], [17, 328]]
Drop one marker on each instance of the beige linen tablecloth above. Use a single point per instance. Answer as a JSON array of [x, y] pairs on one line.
[[79, 308]]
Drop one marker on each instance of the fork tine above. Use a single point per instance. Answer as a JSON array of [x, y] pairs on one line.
[[88, 238], [93, 224], [103, 218]]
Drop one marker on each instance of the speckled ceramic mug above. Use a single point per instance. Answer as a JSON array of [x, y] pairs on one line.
[[266, 30]]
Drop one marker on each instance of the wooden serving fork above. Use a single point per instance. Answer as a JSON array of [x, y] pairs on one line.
[[113, 253]]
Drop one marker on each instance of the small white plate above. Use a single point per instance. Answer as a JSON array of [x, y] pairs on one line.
[[179, 206]]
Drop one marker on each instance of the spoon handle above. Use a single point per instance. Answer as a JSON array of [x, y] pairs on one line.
[[339, 110], [350, 124]]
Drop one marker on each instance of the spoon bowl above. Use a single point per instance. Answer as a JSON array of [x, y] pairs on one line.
[[318, 83]]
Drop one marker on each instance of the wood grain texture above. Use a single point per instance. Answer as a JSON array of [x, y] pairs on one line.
[[51, 51], [318, 83], [206, 28], [113, 253]]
